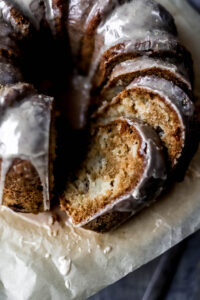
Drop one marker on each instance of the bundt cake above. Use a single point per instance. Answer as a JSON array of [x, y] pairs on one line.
[[120, 66]]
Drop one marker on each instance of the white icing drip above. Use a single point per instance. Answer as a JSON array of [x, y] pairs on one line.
[[76, 21], [49, 10], [147, 150], [132, 21], [154, 167], [24, 134], [100, 8]]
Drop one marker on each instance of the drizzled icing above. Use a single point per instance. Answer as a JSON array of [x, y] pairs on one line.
[[151, 182], [24, 132], [136, 20], [78, 11]]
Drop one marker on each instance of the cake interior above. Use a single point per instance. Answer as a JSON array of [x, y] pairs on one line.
[[112, 167], [152, 109], [23, 188]]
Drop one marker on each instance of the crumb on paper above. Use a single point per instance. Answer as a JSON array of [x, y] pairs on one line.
[[107, 250], [64, 265], [67, 284], [47, 255]]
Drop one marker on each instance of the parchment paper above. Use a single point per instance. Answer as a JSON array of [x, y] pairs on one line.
[[59, 262]]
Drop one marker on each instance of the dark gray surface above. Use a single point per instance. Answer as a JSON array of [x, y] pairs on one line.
[[173, 276], [183, 283]]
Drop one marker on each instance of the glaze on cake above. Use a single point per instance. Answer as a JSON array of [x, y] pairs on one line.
[[114, 66]]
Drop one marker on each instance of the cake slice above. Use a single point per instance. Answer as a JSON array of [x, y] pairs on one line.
[[124, 73], [27, 148], [162, 105], [123, 171]]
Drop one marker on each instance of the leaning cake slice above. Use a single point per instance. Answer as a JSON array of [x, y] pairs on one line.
[[123, 171], [163, 106]]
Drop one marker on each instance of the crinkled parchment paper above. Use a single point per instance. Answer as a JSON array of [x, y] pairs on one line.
[[59, 262]]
